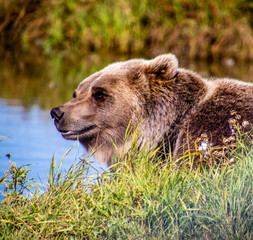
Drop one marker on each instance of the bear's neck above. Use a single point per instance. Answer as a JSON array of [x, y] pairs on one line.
[[170, 103]]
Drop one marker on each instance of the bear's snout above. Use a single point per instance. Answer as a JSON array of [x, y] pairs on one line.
[[56, 113]]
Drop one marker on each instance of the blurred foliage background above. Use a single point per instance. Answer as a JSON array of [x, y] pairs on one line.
[[195, 29]]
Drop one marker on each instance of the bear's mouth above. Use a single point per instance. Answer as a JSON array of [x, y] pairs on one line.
[[74, 134]]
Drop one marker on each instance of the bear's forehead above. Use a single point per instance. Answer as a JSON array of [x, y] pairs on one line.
[[122, 68], [111, 76]]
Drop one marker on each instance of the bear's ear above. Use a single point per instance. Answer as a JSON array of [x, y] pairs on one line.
[[164, 66]]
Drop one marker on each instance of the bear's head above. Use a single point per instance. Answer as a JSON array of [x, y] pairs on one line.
[[111, 101]]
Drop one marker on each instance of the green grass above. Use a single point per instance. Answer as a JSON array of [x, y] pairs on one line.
[[142, 197]]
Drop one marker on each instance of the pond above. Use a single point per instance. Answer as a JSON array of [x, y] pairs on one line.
[[30, 88]]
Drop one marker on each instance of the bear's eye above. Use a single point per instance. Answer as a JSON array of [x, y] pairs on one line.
[[74, 94], [99, 95]]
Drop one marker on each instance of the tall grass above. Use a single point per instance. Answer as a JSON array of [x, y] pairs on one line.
[[140, 198], [195, 29]]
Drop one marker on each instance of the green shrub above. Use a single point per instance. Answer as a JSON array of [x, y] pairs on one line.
[[195, 29]]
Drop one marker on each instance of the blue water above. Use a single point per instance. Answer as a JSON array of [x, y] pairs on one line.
[[33, 139]]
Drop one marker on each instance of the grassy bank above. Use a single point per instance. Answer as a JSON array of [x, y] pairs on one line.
[[139, 199], [195, 29]]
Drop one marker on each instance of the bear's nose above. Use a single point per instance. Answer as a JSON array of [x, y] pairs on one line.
[[56, 113]]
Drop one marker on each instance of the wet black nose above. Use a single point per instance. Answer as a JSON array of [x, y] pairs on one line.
[[56, 113]]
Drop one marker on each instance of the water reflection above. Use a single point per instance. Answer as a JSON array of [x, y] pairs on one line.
[[227, 68], [47, 83]]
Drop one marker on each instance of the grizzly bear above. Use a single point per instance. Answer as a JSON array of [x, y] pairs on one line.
[[169, 106]]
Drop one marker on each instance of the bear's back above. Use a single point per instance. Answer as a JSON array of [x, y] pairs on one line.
[[225, 102]]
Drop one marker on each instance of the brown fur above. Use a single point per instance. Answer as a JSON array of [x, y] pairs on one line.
[[168, 104]]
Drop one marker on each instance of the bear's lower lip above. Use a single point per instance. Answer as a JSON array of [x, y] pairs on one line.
[[71, 133]]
